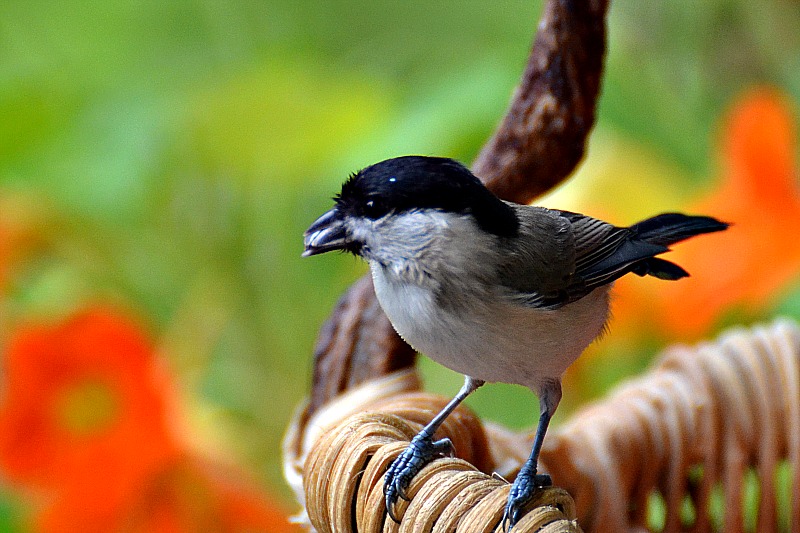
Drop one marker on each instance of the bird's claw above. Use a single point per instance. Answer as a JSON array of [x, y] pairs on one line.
[[408, 464], [521, 493]]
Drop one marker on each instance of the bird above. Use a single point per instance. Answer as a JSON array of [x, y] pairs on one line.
[[497, 291]]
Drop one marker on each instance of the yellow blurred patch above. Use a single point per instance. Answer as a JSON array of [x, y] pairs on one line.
[[620, 181]]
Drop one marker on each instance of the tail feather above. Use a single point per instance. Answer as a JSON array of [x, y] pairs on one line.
[[669, 228], [659, 268]]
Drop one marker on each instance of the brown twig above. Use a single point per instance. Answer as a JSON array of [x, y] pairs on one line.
[[543, 135], [695, 424], [336, 467], [537, 145]]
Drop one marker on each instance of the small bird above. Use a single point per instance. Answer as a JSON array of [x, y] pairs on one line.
[[497, 291]]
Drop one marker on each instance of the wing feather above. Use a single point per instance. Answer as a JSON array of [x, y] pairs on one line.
[[583, 254]]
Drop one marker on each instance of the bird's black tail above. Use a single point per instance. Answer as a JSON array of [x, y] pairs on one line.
[[667, 229]]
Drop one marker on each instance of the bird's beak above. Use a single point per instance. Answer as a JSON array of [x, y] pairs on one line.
[[325, 234]]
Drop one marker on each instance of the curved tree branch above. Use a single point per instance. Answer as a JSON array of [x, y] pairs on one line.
[[543, 135]]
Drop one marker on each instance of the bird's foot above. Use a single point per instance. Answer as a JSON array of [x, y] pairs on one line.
[[421, 451], [521, 493]]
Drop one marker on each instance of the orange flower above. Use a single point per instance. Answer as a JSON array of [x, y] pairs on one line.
[[748, 266], [85, 412], [188, 496], [86, 417]]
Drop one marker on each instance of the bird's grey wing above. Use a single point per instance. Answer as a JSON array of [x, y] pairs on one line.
[[590, 253], [538, 263]]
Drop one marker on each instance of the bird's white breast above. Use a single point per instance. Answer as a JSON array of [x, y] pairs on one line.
[[488, 338]]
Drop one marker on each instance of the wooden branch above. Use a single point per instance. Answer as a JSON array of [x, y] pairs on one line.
[[704, 423], [543, 135]]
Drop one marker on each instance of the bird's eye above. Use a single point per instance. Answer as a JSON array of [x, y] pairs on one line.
[[374, 209]]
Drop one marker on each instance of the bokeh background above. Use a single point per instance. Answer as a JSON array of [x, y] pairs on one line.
[[159, 162]]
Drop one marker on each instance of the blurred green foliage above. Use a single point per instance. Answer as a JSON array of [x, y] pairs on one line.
[[179, 149]]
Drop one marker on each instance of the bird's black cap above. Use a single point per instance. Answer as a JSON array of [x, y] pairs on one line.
[[420, 182]]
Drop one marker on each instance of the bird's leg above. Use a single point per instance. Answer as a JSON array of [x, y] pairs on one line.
[[422, 450], [528, 480]]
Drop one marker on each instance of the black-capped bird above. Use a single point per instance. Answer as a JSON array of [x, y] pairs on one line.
[[497, 291]]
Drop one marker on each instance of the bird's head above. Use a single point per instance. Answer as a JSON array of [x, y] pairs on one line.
[[397, 205]]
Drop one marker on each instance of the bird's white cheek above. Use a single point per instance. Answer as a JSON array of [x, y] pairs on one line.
[[359, 230]]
